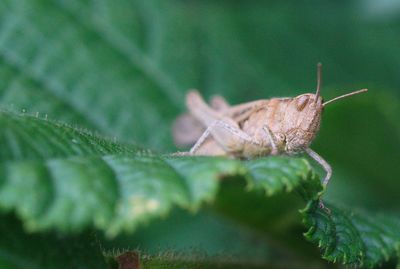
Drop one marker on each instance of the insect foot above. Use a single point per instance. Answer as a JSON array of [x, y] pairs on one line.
[[322, 206]]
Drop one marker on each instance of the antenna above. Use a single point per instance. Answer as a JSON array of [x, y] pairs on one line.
[[344, 96], [319, 81]]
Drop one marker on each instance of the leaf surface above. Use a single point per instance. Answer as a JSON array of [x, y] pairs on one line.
[[73, 179], [357, 238], [92, 182]]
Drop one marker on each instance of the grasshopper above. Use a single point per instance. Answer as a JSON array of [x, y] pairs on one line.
[[259, 128]]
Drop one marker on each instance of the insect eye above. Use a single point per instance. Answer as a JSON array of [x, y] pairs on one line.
[[301, 102]]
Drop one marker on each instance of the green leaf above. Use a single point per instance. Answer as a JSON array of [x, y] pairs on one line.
[[348, 237], [355, 159], [55, 176], [122, 68], [78, 180], [19, 250], [68, 63]]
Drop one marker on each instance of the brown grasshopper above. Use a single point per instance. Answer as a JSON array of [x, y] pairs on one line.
[[259, 128]]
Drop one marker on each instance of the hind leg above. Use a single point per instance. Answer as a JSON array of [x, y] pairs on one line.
[[230, 138]]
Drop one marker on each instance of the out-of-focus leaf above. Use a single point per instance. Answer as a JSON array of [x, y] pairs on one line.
[[122, 67], [360, 137], [19, 250]]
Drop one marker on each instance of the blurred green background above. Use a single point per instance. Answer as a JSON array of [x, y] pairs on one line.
[[121, 68]]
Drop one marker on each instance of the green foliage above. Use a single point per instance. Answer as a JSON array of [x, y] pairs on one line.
[[130, 187], [78, 180], [20, 250], [353, 238], [81, 80]]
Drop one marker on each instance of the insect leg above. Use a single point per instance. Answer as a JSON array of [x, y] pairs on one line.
[[231, 138], [187, 129], [219, 103], [199, 109], [272, 140], [201, 140], [323, 163], [224, 130], [327, 169]]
